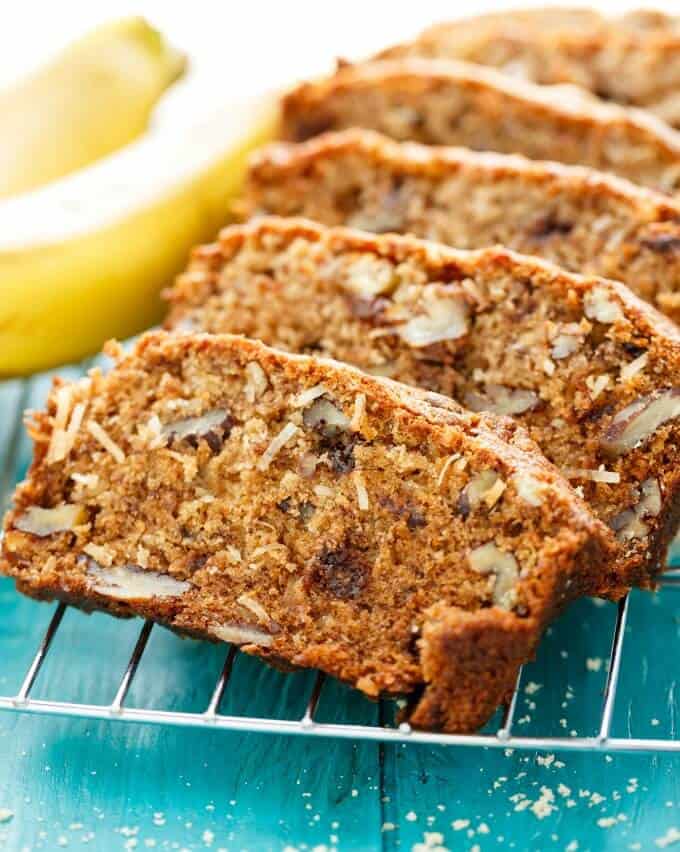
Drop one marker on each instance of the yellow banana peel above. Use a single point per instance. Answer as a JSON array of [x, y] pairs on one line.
[[85, 258], [92, 99]]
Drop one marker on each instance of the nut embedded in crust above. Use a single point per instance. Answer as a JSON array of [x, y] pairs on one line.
[[637, 422]]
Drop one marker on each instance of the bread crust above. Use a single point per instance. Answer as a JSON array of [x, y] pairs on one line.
[[569, 559], [202, 293], [448, 102], [632, 59], [587, 221]]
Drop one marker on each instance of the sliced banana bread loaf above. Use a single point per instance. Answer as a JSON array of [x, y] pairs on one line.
[[588, 368], [444, 102], [586, 221], [633, 59], [312, 514]]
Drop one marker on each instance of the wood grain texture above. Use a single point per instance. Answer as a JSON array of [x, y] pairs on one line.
[[100, 783]]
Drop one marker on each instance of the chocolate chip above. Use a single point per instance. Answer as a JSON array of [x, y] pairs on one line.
[[284, 505], [306, 511], [549, 226], [214, 441], [663, 243], [414, 517], [464, 504], [197, 562], [342, 572], [340, 450], [215, 438], [633, 350]]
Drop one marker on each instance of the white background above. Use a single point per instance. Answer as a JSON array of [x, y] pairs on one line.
[[246, 46]]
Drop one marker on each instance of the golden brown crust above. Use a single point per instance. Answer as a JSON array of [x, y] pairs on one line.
[[584, 220], [476, 641], [341, 589], [270, 279], [447, 102]]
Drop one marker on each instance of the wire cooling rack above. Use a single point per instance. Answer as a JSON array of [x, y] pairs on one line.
[[306, 723]]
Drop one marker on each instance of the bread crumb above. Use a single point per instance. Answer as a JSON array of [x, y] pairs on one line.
[[670, 837], [362, 493]]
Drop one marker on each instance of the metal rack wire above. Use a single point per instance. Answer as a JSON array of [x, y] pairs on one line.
[[307, 725]]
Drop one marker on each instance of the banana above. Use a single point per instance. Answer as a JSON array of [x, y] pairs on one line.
[[92, 99], [85, 258]]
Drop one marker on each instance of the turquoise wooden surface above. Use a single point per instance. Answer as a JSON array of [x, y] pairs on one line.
[[74, 782]]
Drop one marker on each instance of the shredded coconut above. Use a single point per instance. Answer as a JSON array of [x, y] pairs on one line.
[[276, 445], [630, 370], [362, 494], [599, 475], [358, 413], [55, 451], [445, 467], [257, 382], [254, 606], [309, 395], [105, 440]]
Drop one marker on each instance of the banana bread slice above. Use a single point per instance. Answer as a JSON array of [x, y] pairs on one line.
[[588, 368], [444, 102], [633, 59], [313, 514], [583, 220]]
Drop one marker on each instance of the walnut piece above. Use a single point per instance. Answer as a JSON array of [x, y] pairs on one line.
[[444, 317], [370, 276], [325, 417], [499, 399], [44, 522], [490, 559], [529, 488], [637, 422], [217, 422], [564, 345], [629, 524], [129, 582], [598, 305], [241, 634], [486, 486]]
